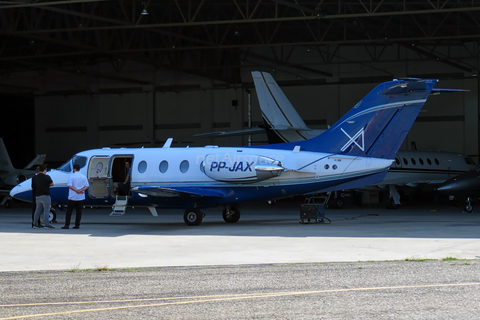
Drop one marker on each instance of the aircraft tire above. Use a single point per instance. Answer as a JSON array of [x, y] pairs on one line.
[[193, 217], [52, 216], [231, 214], [469, 208], [391, 204], [8, 203], [338, 203]]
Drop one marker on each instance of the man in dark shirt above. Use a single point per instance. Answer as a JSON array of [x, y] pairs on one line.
[[41, 184], [34, 201]]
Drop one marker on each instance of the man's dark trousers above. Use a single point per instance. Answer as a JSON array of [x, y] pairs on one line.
[[78, 206]]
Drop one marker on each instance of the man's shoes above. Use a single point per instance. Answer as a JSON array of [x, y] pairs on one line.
[[35, 227], [49, 227], [76, 227], [65, 227]]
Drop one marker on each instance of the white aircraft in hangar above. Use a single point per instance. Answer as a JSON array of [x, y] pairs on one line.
[[356, 151], [411, 168], [10, 176]]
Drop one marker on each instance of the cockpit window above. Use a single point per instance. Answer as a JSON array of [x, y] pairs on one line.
[[68, 166]]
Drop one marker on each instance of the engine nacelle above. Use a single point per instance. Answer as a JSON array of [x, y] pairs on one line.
[[14, 179], [241, 168]]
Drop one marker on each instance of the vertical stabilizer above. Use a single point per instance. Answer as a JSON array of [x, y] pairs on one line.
[[378, 124], [277, 110], [5, 163]]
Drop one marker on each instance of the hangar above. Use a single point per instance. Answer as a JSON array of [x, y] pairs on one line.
[[83, 74]]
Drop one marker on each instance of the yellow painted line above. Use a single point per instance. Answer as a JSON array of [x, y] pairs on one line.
[[215, 298], [130, 300]]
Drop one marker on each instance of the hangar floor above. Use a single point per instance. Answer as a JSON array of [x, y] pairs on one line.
[[265, 234]]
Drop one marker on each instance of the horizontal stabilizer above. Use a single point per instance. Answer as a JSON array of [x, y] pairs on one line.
[[222, 134], [441, 90], [285, 127]]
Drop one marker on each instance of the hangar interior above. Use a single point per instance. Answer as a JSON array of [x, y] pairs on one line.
[[134, 73]]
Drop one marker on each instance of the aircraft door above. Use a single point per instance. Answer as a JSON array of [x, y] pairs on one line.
[[98, 178]]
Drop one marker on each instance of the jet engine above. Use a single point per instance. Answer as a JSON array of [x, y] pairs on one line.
[[14, 179], [241, 168]]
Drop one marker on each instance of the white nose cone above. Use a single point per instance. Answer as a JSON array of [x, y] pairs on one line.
[[22, 191]]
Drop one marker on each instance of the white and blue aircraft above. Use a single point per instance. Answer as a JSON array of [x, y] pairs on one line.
[[356, 151], [411, 168]]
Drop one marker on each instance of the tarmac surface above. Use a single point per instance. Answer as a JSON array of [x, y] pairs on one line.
[[369, 263], [264, 234]]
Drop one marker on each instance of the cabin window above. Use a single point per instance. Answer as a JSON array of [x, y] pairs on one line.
[[429, 161], [405, 161], [163, 167], [326, 166], [184, 165], [421, 161], [413, 161], [334, 167], [142, 166], [437, 162], [397, 161]]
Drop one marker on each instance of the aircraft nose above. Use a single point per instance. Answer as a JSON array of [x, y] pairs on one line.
[[447, 187], [14, 191], [22, 192]]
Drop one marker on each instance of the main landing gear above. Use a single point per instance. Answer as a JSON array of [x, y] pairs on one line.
[[194, 217], [468, 206], [231, 214]]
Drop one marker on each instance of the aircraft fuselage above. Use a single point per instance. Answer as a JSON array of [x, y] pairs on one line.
[[206, 177]]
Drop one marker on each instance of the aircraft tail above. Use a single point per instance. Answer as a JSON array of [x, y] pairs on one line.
[[37, 161], [278, 112], [5, 163], [378, 124]]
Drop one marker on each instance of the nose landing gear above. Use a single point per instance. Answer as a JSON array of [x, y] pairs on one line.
[[231, 214]]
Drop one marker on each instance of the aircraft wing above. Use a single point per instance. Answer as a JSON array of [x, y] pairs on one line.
[[177, 192], [222, 134]]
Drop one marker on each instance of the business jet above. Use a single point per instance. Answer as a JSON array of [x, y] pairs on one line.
[[463, 187], [411, 168], [10, 176], [356, 151]]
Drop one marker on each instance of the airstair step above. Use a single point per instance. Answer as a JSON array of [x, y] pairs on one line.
[[119, 207]]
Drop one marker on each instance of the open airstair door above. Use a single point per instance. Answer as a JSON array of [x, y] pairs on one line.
[[118, 209], [98, 177]]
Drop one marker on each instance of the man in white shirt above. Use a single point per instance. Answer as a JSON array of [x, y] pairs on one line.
[[77, 184]]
